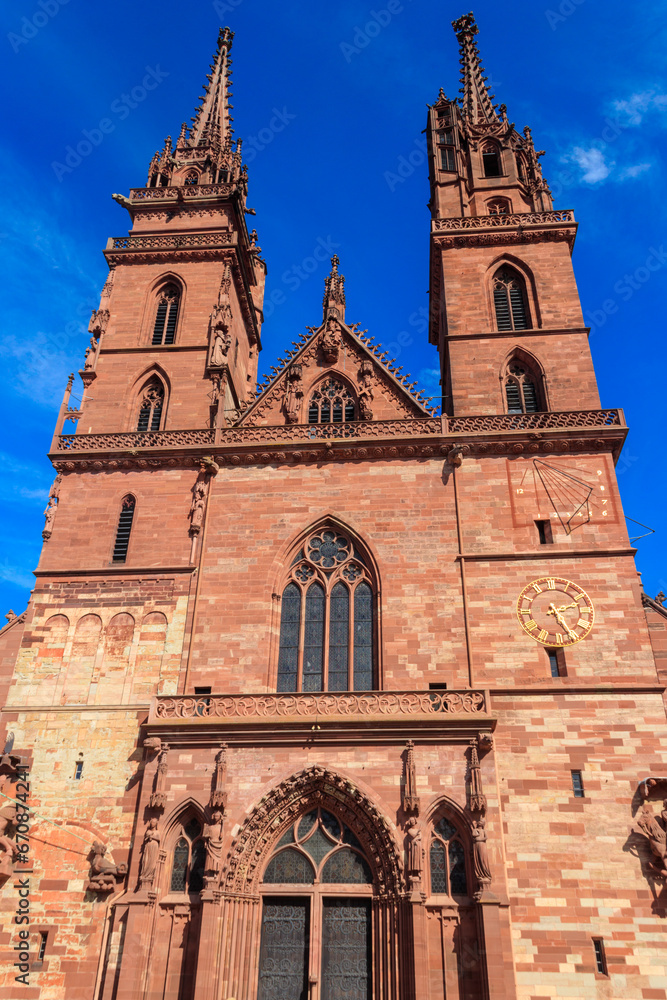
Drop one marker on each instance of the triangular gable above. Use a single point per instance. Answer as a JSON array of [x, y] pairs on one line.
[[335, 350]]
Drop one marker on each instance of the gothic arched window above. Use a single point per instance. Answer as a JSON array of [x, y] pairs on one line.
[[327, 628], [192, 178], [499, 206], [188, 860], [447, 861], [124, 529], [331, 402], [324, 932], [151, 406], [509, 299], [522, 389], [491, 160], [166, 316]]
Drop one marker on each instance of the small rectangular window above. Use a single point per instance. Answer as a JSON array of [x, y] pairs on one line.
[[447, 159], [78, 770], [600, 957], [439, 686], [42, 946], [544, 531], [446, 138], [557, 662], [577, 784]]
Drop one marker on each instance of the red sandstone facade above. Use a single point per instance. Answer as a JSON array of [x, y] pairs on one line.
[[277, 660]]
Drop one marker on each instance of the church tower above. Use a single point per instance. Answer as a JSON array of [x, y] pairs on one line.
[[322, 694]]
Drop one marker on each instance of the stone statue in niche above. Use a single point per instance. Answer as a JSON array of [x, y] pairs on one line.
[[293, 393], [222, 341], [480, 852], [413, 845], [150, 854], [330, 340], [213, 841], [98, 323], [198, 507], [104, 874], [221, 321], [366, 394], [51, 507], [654, 831], [90, 355]]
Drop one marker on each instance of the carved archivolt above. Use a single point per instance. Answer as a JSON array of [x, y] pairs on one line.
[[273, 814]]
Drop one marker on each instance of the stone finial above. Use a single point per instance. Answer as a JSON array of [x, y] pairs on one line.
[[334, 291]]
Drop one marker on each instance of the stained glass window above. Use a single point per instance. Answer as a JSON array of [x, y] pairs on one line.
[[327, 627], [291, 867], [447, 861], [347, 867], [313, 639], [180, 865], [322, 845], [331, 402], [289, 639], [188, 860]]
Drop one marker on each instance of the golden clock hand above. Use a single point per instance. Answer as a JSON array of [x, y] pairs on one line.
[[566, 607]]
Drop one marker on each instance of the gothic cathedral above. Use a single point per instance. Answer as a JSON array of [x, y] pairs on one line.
[[323, 694]]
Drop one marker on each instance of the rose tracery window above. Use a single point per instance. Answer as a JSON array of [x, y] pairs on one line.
[[327, 630], [320, 929], [447, 861], [188, 860], [521, 390], [151, 407], [331, 402], [166, 316], [509, 299]]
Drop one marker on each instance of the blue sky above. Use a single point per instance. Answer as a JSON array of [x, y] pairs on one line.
[[351, 81]]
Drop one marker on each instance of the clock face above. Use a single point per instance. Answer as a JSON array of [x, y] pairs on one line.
[[555, 612]]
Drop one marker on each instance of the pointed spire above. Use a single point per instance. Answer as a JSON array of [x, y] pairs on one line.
[[211, 124], [477, 102], [334, 292]]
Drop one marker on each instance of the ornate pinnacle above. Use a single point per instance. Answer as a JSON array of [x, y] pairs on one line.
[[334, 290], [477, 103]]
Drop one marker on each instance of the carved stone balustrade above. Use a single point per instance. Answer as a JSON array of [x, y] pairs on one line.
[[495, 230], [369, 715], [423, 437]]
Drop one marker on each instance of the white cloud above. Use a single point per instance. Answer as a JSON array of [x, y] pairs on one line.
[[592, 162], [631, 172], [633, 110]]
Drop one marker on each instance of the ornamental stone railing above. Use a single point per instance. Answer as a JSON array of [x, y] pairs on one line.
[[272, 706], [131, 441], [504, 221], [533, 421], [176, 193], [414, 428], [171, 242]]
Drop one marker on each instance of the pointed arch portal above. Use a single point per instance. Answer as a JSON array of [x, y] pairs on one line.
[[320, 864]]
